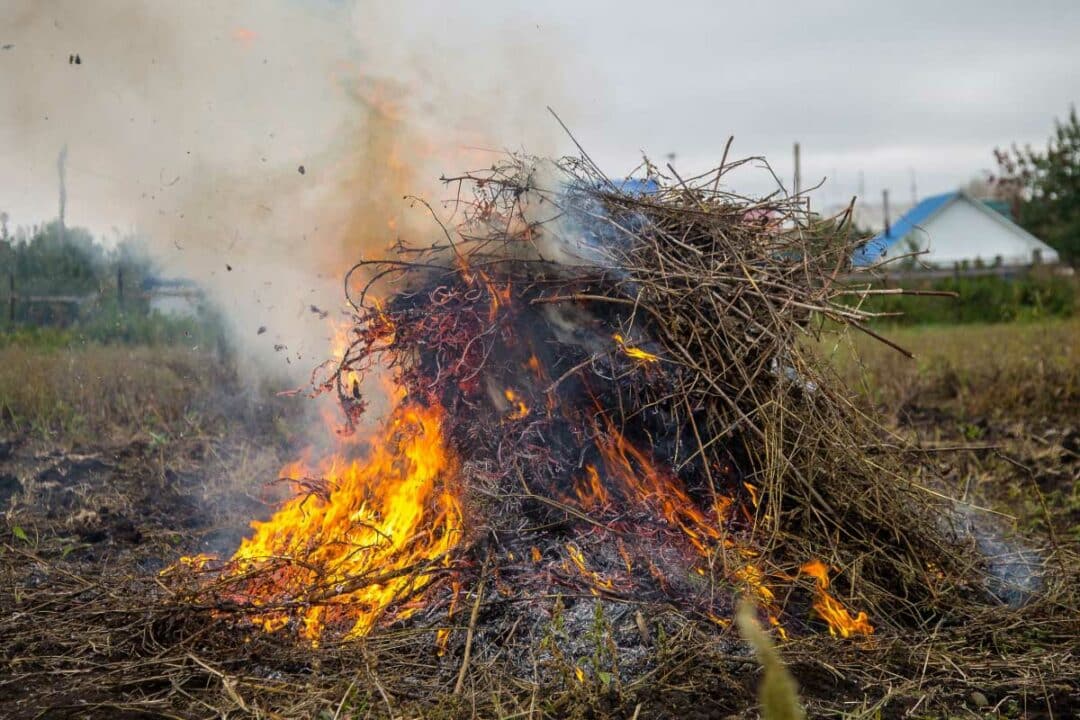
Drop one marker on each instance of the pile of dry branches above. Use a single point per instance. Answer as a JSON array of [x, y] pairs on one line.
[[674, 314], [563, 321]]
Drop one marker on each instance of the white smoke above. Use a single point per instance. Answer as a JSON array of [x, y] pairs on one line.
[[191, 121]]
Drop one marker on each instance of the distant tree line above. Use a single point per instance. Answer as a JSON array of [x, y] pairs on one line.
[[986, 299], [51, 259]]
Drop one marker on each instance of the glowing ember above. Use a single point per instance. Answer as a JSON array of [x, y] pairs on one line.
[[831, 610], [533, 364], [369, 543], [595, 579], [442, 635]]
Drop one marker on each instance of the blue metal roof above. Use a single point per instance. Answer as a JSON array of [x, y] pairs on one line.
[[909, 221]]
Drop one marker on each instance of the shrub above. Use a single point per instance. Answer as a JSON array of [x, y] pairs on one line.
[[987, 299]]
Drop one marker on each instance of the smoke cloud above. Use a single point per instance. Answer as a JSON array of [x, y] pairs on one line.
[[277, 138]]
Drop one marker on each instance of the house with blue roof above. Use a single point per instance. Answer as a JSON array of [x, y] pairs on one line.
[[954, 228]]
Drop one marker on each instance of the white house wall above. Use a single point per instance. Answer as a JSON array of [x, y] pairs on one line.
[[963, 232]]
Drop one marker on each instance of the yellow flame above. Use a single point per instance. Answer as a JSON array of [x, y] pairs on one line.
[[594, 578], [195, 562], [521, 410], [635, 352], [368, 543]]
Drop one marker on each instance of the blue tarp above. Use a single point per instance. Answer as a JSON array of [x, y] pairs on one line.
[[636, 186]]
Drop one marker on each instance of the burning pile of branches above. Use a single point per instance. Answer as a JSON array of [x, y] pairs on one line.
[[602, 391], [602, 387]]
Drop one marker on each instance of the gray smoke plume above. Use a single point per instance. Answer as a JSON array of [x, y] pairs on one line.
[[277, 138]]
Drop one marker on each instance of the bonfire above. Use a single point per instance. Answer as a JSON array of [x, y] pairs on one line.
[[593, 403]]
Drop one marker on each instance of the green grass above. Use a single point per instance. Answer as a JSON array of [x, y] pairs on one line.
[[107, 323]]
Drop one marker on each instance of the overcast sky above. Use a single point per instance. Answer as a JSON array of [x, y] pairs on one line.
[[886, 89], [879, 87]]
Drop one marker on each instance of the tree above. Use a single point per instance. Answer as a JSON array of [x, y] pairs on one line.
[[1044, 187]]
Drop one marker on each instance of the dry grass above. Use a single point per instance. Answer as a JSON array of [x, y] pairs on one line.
[[1006, 370], [88, 628], [1009, 392], [97, 394], [82, 394], [101, 639]]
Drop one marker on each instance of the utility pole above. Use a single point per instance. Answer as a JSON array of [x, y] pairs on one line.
[[914, 189], [885, 210], [798, 172], [61, 169]]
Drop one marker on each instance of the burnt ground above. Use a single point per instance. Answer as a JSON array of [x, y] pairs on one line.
[[88, 628], [91, 629], [138, 504]]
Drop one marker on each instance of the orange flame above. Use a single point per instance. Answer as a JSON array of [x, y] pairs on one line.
[[590, 490], [521, 410], [831, 610], [641, 480], [500, 294], [659, 489], [244, 36], [370, 542]]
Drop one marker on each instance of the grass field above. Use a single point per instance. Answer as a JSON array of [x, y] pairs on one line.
[[1002, 370], [1010, 392], [116, 457], [93, 394]]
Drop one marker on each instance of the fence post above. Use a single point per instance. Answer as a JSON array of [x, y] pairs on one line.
[[957, 315], [11, 298]]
